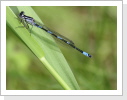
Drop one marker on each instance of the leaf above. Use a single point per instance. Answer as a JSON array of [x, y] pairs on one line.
[[43, 46]]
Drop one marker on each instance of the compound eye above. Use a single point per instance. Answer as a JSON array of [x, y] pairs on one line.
[[22, 13]]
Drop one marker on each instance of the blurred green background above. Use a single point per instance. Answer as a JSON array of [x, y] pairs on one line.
[[92, 29]]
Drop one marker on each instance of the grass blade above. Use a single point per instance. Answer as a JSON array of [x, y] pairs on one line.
[[43, 46]]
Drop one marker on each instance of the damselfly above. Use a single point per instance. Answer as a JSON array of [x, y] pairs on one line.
[[33, 22]]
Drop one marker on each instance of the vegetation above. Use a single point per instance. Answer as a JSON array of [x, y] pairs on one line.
[[92, 29]]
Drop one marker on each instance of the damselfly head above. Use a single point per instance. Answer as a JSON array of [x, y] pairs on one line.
[[21, 14]]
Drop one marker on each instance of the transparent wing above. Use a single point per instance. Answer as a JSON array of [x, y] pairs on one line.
[[56, 33]]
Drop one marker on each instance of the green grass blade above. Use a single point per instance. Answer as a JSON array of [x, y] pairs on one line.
[[43, 46]]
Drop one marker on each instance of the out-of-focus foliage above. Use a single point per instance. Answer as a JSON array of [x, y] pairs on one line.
[[93, 29]]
